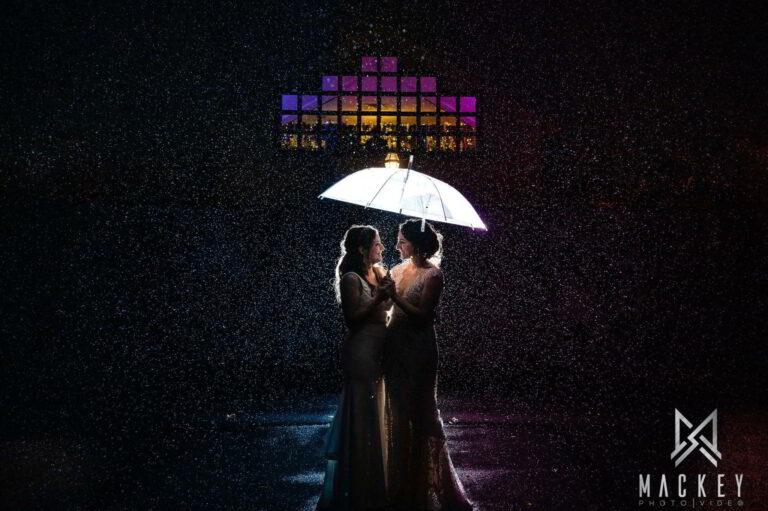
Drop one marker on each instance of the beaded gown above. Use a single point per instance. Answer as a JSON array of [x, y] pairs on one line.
[[420, 474], [355, 448]]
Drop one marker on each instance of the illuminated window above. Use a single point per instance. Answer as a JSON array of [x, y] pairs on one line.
[[289, 141], [309, 122], [368, 84], [391, 141], [427, 120], [428, 84], [448, 123], [448, 143], [468, 104], [288, 121], [330, 83], [388, 123], [407, 122], [329, 120], [309, 102], [389, 84], [370, 64], [389, 64], [290, 102], [428, 104], [349, 120], [368, 123], [408, 84], [349, 83], [468, 123], [388, 103], [369, 104], [447, 103], [330, 103], [407, 103], [349, 103]]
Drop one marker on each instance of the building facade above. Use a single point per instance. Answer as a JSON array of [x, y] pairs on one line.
[[378, 108]]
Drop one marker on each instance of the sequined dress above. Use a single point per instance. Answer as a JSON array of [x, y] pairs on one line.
[[420, 473]]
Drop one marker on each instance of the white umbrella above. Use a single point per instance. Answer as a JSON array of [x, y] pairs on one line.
[[406, 192]]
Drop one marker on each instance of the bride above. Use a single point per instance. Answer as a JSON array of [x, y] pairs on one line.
[[356, 452], [420, 475]]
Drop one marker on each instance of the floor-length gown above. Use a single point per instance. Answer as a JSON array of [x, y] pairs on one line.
[[420, 473], [355, 449]]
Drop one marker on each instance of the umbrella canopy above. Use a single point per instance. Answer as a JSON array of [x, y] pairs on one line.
[[406, 192]]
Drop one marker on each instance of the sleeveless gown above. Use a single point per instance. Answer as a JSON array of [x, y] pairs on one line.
[[355, 447], [420, 473]]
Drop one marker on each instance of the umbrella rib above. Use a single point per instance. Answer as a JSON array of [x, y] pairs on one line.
[[380, 189], [442, 205]]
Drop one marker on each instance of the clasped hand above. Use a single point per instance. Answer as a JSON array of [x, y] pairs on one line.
[[386, 289]]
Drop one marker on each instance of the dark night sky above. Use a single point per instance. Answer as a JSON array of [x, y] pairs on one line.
[[160, 252]]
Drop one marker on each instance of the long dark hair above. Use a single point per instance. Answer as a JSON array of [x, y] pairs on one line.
[[427, 243], [356, 237]]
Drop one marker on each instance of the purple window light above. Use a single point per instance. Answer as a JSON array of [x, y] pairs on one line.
[[309, 102], [408, 84], [389, 64], [468, 104], [369, 64], [469, 121], [289, 119], [290, 102], [349, 83], [389, 83], [447, 103], [428, 84], [369, 84], [330, 83]]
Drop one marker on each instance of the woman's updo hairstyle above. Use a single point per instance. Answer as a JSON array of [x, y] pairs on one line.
[[427, 243], [356, 237]]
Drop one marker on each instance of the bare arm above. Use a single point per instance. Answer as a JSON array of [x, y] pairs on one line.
[[430, 297], [353, 310]]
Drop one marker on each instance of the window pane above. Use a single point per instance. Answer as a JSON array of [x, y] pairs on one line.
[[427, 120], [349, 83], [388, 103], [289, 141], [368, 123], [369, 64], [448, 143], [309, 102], [290, 102], [468, 123], [330, 83], [407, 103], [428, 84], [309, 122], [369, 84], [330, 104], [289, 121], [408, 84], [349, 103], [349, 120], [389, 64], [369, 104], [391, 141], [388, 123], [447, 103], [389, 84], [448, 123], [468, 143], [428, 104], [329, 120], [468, 103], [407, 122]]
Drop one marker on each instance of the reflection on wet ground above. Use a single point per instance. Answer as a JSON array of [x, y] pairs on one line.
[[269, 457]]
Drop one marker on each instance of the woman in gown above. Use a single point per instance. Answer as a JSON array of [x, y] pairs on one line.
[[355, 449], [420, 474]]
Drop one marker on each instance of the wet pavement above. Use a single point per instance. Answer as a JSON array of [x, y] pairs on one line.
[[269, 457]]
